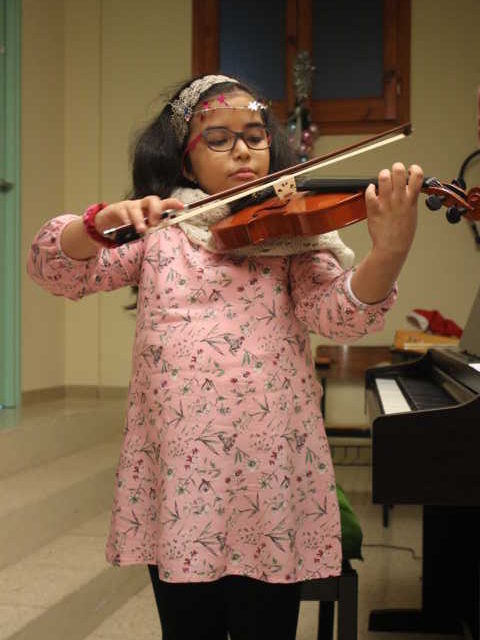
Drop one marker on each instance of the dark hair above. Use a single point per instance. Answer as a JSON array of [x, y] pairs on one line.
[[157, 153]]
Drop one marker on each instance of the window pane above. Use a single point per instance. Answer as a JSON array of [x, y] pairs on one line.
[[252, 44], [347, 49]]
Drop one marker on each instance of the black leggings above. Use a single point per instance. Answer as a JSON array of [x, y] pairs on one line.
[[245, 608]]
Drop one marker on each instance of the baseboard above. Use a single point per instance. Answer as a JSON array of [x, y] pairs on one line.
[[48, 394], [43, 395], [93, 391]]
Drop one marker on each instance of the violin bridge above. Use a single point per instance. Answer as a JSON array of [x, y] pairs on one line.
[[285, 187]]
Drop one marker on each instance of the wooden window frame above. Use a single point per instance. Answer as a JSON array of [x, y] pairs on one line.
[[336, 116]]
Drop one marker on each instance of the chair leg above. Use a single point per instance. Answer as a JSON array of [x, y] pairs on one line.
[[325, 620], [348, 607]]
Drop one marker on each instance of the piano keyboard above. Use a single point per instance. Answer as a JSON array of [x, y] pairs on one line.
[[424, 393], [406, 394], [391, 396]]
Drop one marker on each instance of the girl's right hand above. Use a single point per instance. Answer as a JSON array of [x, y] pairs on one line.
[[143, 213]]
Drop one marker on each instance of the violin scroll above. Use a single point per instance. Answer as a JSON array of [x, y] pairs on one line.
[[459, 203]]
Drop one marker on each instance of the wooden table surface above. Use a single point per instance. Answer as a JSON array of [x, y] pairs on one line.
[[348, 363]]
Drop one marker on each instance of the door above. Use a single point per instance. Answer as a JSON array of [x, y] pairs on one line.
[[9, 203]]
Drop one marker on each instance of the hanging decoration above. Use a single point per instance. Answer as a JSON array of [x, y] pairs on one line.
[[301, 131]]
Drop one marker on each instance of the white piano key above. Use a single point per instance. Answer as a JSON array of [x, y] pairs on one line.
[[391, 396]]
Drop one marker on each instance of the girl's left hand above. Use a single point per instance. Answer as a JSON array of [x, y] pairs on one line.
[[392, 210]]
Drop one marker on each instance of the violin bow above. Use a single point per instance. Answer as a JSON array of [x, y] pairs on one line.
[[283, 182]]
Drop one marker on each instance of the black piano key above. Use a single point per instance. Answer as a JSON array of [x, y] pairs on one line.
[[424, 394]]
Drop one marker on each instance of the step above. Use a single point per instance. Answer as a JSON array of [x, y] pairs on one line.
[[350, 452], [44, 431], [137, 618], [38, 504], [65, 589]]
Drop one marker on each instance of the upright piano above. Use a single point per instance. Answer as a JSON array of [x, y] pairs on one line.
[[425, 421]]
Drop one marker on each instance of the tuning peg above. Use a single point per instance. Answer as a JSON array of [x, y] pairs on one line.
[[453, 215], [434, 202]]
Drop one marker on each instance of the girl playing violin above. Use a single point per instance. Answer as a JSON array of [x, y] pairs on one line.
[[225, 486]]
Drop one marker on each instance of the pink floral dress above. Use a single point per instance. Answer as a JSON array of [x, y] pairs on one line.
[[225, 467]]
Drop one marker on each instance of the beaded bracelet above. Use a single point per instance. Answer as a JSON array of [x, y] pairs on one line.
[[90, 228]]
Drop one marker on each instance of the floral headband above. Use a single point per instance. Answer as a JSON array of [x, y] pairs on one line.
[[183, 106]]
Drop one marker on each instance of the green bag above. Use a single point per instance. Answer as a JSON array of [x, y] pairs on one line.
[[352, 534]]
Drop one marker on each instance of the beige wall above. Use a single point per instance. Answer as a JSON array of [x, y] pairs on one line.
[[118, 60], [43, 182], [92, 74]]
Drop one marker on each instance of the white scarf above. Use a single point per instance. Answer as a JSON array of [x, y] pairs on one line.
[[197, 231]]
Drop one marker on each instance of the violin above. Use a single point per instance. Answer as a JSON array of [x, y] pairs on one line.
[[282, 205], [323, 205]]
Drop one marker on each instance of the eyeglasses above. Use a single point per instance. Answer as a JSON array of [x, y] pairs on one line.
[[256, 137]]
